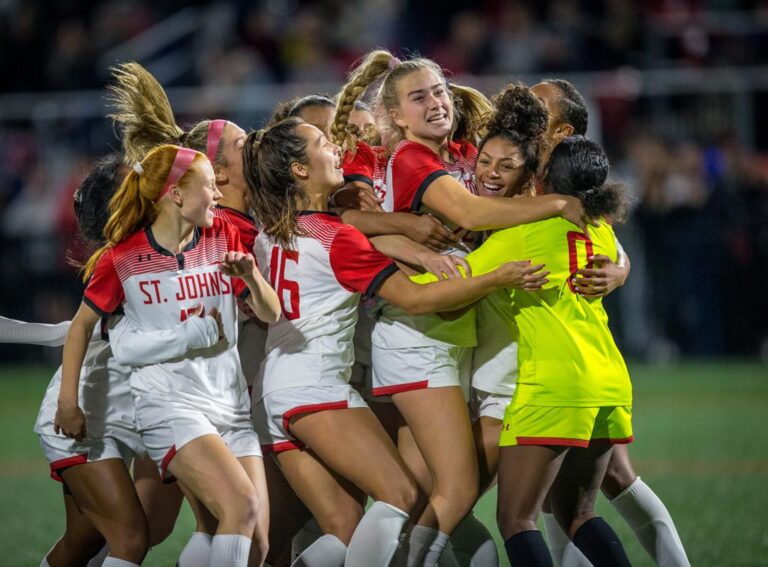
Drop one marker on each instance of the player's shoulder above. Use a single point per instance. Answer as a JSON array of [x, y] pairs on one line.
[[463, 149]]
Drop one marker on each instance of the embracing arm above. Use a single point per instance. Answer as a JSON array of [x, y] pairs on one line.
[[22, 332], [405, 250], [454, 202], [452, 294], [69, 417], [424, 229], [135, 347], [605, 275]]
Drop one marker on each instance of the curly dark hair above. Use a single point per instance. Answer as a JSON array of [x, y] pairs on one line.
[[274, 194], [521, 118], [579, 167]]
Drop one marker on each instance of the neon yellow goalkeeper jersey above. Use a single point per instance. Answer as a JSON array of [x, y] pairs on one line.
[[566, 355]]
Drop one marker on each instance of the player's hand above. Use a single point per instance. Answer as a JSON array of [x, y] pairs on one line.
[[445, 266], [70, 421], [572, 210], [237, 264], [600, 280], [214, 312], [427, 230], [522, 275]]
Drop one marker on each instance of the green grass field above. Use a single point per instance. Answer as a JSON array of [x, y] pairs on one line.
[[701, 444]]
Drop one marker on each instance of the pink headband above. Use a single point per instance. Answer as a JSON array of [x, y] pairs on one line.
[[215, 130], [182, 161]]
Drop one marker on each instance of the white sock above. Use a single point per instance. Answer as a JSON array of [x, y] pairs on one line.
[[44, 562], [98, 559], [419, 540], [326, 551], [115, 562], [473, 545], [305, 537], [230, 550], [573, 557], [436, 550], [564, 552], [653, 526], [197, 552], [376, 537]]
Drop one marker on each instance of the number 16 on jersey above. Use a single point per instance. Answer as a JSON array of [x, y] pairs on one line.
[[287, 290]]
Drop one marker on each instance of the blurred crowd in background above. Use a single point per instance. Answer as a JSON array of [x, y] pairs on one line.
[[677, 92]]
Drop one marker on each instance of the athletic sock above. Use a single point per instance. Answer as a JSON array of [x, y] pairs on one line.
[[417, 546], [436, 550], [197, 552], [473, 545], [98, 559], [115, 562], [654, 528], [573, 557], [528, 549], [564, 552], [600, 544], [376, 537], [230, 550], [44, 562], [305, 537], [326, 551]]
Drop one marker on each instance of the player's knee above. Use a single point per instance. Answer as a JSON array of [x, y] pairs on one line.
[[244, 512], [130, 544], [403, 494], [462, 493], [86, 543], [510, 524], [342, 521]]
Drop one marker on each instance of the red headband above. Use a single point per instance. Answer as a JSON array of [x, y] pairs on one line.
[[215, 130], [182, 161]]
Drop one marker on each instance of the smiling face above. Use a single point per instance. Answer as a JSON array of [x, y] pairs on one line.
[[230, 170], [500, 169], [362, 125], [323, 168], [424, 107], [198, 195]]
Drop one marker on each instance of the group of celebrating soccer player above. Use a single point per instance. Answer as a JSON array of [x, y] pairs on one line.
[[394, 295]]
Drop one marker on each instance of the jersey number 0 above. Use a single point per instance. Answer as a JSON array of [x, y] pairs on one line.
[[287, 290], [573, 254]]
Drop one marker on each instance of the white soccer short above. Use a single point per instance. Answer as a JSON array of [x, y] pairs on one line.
[[63, 452], [406, 369], [166, 438], [487, 404], [272, 414]]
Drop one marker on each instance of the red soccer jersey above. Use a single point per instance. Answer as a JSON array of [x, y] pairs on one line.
[[155, 283], [414, 167], [319, 283], [244, 223], [368, 165]]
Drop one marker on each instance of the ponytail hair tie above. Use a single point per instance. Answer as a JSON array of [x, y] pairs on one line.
[[181, 163], [394, 62], [215, 131], [137, 168]]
